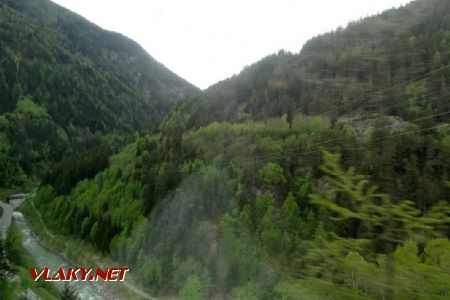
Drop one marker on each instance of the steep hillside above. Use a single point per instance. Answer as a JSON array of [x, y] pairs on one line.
[[63, 79], [394, 63], [319, 175], [82, 74]]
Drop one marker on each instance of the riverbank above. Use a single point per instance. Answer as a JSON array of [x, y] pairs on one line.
[[78, 253], [45, 257], [20, 284]]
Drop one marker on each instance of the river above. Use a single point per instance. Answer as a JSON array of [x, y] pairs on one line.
[[46, 258]]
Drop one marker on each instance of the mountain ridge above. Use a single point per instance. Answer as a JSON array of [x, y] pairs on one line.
[[65, 81], [339, 72]]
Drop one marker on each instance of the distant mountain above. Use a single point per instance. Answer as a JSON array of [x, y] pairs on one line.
[[81, 73], [63, 78]]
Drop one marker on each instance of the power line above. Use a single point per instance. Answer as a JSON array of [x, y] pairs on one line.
[[379, 107], [396, 85], [415, 79], [344, 138], [291, 152]]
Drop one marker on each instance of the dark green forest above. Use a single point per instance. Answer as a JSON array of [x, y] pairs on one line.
[[323, 174], [67, 86]]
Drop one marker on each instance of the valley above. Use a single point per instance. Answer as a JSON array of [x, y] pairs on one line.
[[321, 174]]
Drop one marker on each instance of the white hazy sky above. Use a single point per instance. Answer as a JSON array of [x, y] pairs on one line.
[[205, 41]]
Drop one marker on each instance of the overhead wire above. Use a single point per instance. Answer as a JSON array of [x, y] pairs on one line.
[[291, 152], [378, 107]]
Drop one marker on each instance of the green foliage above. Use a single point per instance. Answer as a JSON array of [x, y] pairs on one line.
[[14, 249], [316, 289], [83, 211], [272, 174], [5, 268], [69, 171], [63, 79], [15, 262], [352, 198], [390, 227], [371, 59], [437, 253], [184, 270], [192, 289], [230, 197], [151, 271], [68, 293], [291, 212], [230, 212], [27, 107], [242, 213], [250, 291]]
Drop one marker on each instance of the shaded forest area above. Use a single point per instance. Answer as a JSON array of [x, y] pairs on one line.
[[66, 85]]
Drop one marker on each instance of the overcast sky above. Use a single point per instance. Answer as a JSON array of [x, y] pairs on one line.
[[205, 41]]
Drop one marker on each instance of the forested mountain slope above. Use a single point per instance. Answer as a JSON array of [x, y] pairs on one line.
[[319, 175], [378, 64], [63, 79]]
